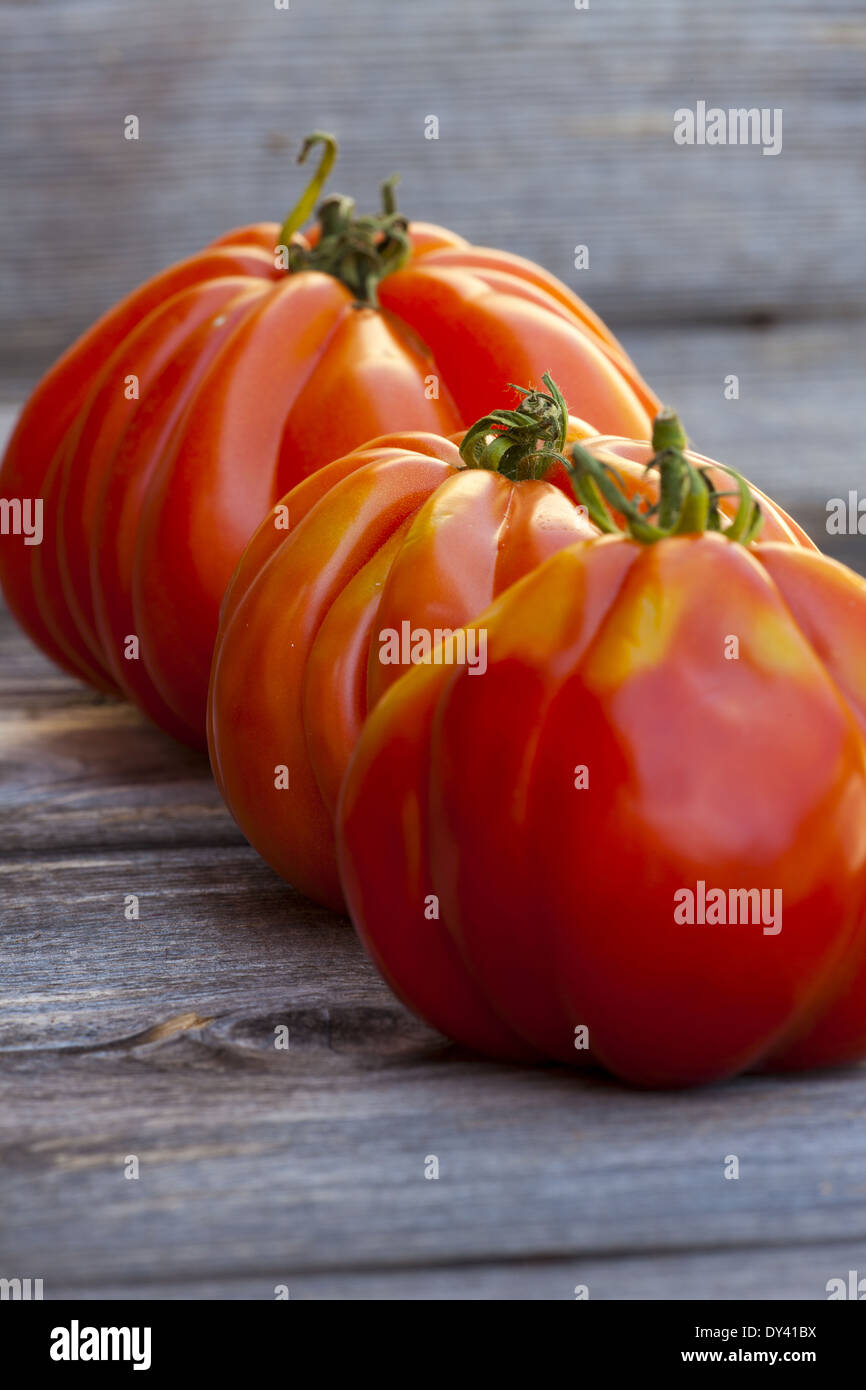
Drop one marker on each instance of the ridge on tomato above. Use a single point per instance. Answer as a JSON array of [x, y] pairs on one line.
[[409, 535], [645, 825], [161, 438]]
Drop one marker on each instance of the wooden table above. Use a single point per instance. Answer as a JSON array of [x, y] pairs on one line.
[[260, 1168]]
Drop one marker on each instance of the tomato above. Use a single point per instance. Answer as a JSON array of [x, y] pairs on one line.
[[163, 436], [638, 840], [385, 548]]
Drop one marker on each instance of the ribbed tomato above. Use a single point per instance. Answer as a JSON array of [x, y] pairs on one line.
[[638, 839], [163, 436], [352, 575]]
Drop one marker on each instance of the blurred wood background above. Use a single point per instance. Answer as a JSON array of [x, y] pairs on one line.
[[155, 1037], [555, 128]]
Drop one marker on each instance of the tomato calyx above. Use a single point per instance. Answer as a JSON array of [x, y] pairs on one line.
[[688, 501], [522, 443], [358, 251]]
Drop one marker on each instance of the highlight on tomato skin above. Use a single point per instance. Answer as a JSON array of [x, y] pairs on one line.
[[637, 841], [409, 536], [163, 436]]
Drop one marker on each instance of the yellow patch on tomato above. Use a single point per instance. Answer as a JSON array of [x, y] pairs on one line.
[[776, 645], [637, 636]]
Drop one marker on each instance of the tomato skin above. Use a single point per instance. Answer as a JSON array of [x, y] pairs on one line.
[[86, 463], [385, 536], [55, 403], [122, 493], [556, 904], [397, 533], [826, 601], [262, 378]]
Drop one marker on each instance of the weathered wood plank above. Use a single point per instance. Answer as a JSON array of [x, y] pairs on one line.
[[556, 128], [216, 929], [313, 1160], [796, 429], [81, 772], [750, 1273]]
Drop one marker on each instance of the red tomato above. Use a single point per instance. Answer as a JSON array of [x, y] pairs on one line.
[[163, 436], [399, 538], [643, 829]]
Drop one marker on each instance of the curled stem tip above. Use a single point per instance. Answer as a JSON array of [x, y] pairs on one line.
[[307, 201], [521, 443]]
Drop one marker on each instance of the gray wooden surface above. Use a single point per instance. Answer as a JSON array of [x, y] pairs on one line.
[[305, 1168], [556, 129]]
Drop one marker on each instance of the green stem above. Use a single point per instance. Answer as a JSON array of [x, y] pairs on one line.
[[688, 503], [307, 201], [358, 251], [520, 443], [668, 433]]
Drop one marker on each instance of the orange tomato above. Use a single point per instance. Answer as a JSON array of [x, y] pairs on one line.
[[638, 839], [163, 436]]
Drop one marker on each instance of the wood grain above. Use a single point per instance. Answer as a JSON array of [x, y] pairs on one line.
[[262, 1166], [796, 429], [750, 1273], [556, 128], [727, 1275]]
